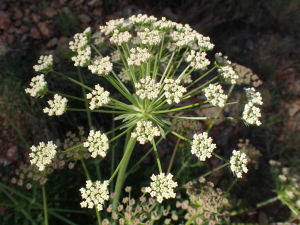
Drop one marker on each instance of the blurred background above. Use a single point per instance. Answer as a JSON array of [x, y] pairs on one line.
[[261, 35]]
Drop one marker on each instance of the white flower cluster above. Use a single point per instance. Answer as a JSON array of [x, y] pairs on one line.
[[58, 106], [115, 56], [147, 88], [164, 25], [145, 131], [113, 25], [173, 91], [162, 187], [252, 97], [101, 66], [39, 86], [120, 38], [45, 64], [228, 74], [80, 45], [98, 39], [94, 194], [198, 60], [202, 146], [123, 75], [150, 37], [100, 97], [251, 115], [97, 143], [42, 155], [204, 42], [142, 20], [183, 38], [238, 163], [138, 55], [214, 93]]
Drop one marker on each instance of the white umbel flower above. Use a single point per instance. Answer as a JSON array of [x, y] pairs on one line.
[[198, 60], [138, 56], [251, 114], [221, 60], [252, 97], [115, 56], [204, 42], [101, 66], [150, 37], [45, 64], [147, 88], [214, 93], [145, 131], [112, 25], [173, 91], [97, 143], [238, 163], [94, 193], [42, 155], [80, 45], [228, 74], [162, 187], [164, 25], [182, 39], [142, 20], [124, 76], [202, 146], [120, 38], [98, 97], [38, 86], [58, 106]]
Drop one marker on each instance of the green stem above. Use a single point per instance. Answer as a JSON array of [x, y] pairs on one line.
[[71, 149], [200, 78], [67, 96], [45, 205], [220, 157], [181, 108], [71, 79], [94, 47], [214, 170], [190, 220], [16, 128], [85, 169], [156, 155], [124, 132], [101, 111], [220, 110], [88, 113], [231, 185], [173, 156], [201, 118]]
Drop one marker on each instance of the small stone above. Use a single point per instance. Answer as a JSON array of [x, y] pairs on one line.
[[262, 217], [98, 12], [84, 18], [34, 33], [52, 42], [50, 12], [43, 28], [12, 154], [61, 39], [294, 108]]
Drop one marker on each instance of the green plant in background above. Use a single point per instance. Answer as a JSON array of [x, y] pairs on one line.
[[155, 59]]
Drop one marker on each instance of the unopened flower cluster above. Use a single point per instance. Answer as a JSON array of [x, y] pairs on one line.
[[246, 75], [225, 69], [138, 56], [45, 64], [205, 204], [173, 91], [238, 162], [43, 154], [198, 60], [39, 86], [145, 131], [97, 143], [202, 146], [162, 187], [94, 194], [252, 97], [98, 97], [80, 45], [101, 66], [58, 106], [214, 93], [147, 88]]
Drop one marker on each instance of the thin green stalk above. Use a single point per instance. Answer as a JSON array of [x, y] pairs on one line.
[[112, 154], [45, 205], [231, 185], [234, 213], [88, 113], [16, 128], [94, 47], [71, 149], [73, 80], [201, 118], [214, 170], [181, 108], [220, 110], [220, 157], [68, 96], [111, 140], [101, 111], [173, 156], [200, 78], [190, 220], [156, 155], [85, 169]]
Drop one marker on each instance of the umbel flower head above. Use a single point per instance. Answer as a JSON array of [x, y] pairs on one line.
[[145, 131], [162, 187], [58, 106], [97, 144], [238, 162], [98, 97], [42, 155], [138, 56], [173, 91], [252, 97], [101, 66], [38, 86], [147, 88], [202, 146], [214, 93], [94, 193], [251, 114], [45, 64]]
